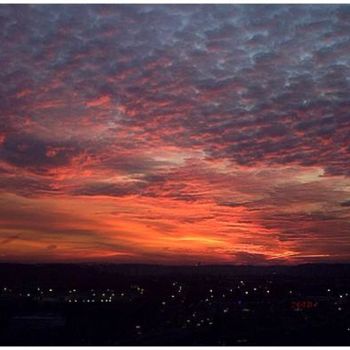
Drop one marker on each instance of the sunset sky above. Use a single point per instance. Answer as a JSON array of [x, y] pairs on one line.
[[175, 134]]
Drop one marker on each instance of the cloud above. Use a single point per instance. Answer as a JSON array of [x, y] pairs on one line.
[[9, 239], [233, 117], [26, 151]]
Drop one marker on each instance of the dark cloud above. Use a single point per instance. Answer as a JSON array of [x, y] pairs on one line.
[[345, 204], [232, 204], [288, 68], [109, 189], [27, 186], [252, 258], [26, 151]]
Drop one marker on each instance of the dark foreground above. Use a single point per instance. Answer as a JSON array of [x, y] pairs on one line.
[[150, 305]]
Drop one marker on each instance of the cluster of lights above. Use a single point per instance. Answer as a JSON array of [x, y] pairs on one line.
[[90, 300], [140, 290], [201, 322], [103, 299], [107, 298]]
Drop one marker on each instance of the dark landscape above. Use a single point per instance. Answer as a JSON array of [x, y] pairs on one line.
[[94, 304]]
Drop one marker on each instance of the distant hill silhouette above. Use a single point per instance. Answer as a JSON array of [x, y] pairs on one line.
[[106, 274]]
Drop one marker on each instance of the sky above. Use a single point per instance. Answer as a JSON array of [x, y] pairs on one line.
[[174, 134]]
